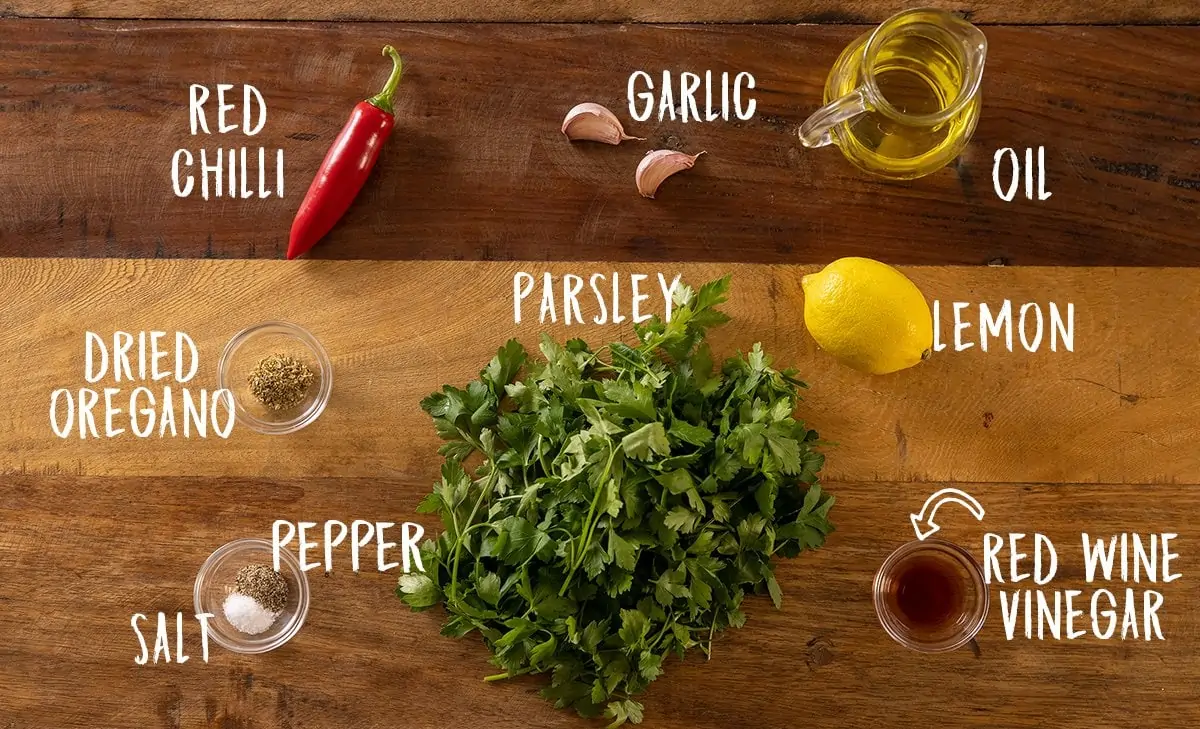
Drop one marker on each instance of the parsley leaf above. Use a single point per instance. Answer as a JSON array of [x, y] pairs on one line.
[[649, 437], [419, 591], [488, 588]]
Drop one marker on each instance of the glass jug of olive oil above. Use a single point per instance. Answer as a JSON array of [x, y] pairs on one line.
[[903, 100]]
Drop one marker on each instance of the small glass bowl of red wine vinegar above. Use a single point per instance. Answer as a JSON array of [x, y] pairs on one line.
[[930, 596]]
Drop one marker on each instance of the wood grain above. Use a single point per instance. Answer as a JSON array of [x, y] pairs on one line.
[[666, 11], [83, 554], [1122, 408], [478, 170]]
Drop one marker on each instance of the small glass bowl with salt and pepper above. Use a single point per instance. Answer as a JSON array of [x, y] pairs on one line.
[[279, 374], [255, 608]]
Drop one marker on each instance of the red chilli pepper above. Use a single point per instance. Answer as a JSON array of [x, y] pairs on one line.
[[346, 166]]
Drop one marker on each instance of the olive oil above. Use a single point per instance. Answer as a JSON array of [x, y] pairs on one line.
[[903, 100]]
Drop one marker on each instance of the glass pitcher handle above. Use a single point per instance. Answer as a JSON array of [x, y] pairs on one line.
[[817, 130]]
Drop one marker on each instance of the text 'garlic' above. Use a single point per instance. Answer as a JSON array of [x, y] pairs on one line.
[[594, 123], [658, 165]]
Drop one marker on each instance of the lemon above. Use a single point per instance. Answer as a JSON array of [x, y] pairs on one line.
[[868, 315]]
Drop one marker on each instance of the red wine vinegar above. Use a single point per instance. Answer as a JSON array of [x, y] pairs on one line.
[[928, 593]]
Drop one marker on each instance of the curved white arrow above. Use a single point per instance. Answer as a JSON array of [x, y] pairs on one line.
[[923, 523]]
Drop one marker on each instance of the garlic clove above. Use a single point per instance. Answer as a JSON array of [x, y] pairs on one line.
[[594, 123], [658, 165]]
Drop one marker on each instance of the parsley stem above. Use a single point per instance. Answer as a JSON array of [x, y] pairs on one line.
[[454, 519], [654, 643], [592, 519], [508, 674], [483, 492]]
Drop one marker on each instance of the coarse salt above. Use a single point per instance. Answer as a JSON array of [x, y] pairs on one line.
[[246, 614]]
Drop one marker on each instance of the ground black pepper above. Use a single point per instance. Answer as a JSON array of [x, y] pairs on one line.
[[264, 584]]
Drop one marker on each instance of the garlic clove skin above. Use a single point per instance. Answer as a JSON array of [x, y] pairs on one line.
[[658, 165], [594, 123]]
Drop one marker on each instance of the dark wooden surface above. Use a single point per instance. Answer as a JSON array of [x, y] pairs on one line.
[[655, 11], [83, 554], [92, 113]]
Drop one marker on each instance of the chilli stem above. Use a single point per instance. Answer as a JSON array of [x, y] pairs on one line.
[[383, 100]]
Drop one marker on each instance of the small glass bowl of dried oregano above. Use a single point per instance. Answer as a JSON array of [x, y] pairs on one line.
[[279, 374]]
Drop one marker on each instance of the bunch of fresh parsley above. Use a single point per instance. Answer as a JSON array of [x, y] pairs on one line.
[[603, 509]]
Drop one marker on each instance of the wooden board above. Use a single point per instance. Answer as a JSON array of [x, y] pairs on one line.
[[92, 113], [667, 11], [82, 555], [1121, 408], [1103, 439]]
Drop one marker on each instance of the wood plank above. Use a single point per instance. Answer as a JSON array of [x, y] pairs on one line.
[[478, 169], [1122, 408], [666, 11], [83, 554]]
